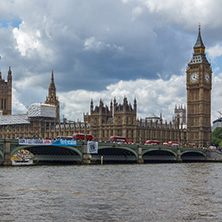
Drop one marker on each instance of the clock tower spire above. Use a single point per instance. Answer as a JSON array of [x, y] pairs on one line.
[[199, 86]]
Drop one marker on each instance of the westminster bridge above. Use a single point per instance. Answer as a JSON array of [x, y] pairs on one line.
[[106, 153]]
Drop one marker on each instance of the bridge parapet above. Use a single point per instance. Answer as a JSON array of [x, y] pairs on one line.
[[133, 147]]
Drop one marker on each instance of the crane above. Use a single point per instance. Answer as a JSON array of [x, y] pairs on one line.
[[219, 112]]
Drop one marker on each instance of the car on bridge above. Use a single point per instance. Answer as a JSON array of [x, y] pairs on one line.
[[173, 143], [64, 138]]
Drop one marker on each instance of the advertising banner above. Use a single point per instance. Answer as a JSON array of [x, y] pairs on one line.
[[92, 147], [37, 142], [65, 143], [40, 142]]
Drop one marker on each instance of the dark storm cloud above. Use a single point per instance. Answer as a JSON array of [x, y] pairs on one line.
[[128, 54], [123, 47], [92, 45]]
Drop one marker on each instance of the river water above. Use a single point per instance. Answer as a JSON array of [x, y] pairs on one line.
[[148, 192]]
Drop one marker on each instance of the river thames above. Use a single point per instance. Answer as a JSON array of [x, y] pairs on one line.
[[147, 192]]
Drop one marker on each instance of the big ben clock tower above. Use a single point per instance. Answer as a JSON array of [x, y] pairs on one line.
[[199, 86]]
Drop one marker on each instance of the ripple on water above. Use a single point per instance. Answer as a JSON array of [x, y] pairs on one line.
[[148, 192]]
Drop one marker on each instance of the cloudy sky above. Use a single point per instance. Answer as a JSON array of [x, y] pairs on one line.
[[106, 49]]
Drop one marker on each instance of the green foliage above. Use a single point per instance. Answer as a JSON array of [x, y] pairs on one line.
[[217, 136], [217, 133]]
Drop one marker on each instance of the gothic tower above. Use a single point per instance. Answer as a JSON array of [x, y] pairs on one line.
[[181, 114], [6, 94], [52, 98], [199, 85]]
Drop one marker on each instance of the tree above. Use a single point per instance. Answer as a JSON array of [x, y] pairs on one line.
[[216, 138]]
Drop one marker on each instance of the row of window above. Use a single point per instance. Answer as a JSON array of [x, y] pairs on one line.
[[3, 103], [129, 120]]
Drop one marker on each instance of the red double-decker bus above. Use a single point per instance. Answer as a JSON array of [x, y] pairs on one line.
[[152, 142], [118, 139], [82, 136]]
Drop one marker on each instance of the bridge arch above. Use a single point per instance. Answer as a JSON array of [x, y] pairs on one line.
[[118, 154], [52, 153], [159, 155], [196, 155]]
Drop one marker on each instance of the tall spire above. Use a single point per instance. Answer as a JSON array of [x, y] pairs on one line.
[[52, 78], [52, 98], [199, 55], [9, 78], [9, 71], [199, 42]]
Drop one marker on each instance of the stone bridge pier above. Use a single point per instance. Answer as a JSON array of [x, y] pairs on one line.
[[6, 154], [140, 155], [85, 155]]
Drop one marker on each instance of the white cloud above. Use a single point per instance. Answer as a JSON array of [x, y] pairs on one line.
[[92, 44], [186, 13], [153, 97], [137, 11], [18, 107], [29, 42], [215, 51]]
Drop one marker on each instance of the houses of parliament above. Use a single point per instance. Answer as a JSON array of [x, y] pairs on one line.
[[191, 124]]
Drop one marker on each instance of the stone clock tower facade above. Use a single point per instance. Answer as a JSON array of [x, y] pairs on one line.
[[199, 75]]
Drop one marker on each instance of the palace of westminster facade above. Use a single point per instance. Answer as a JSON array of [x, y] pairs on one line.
[[118, 119]]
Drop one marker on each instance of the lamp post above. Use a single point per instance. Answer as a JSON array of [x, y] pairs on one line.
[[85, 132]]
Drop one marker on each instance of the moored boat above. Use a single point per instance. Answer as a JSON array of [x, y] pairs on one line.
[[25, 162]]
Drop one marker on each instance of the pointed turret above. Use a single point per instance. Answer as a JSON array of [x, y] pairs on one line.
[[9, 71], [9, 74], [114, 104], [199, 51], [52, 84], [135, 105], [199, 42], [101, 103], [52, 77], [161, 119], [52, 98], [91, 107], [111, 108]]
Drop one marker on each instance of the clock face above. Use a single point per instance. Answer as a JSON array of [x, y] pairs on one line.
[[194, 77], [207, 77]]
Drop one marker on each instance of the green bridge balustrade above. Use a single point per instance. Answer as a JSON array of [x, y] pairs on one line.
[[147, 153], [107, 153]]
